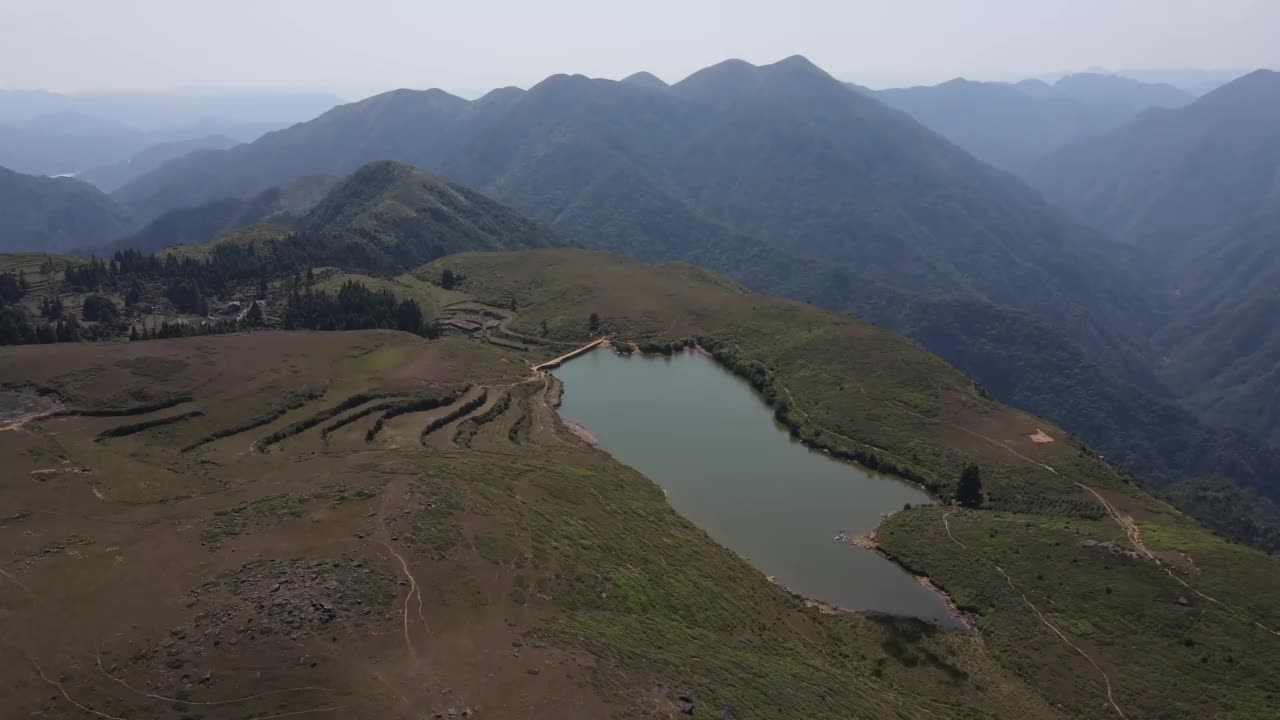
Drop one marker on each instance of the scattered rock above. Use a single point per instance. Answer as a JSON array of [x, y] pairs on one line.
[[1113, 547]]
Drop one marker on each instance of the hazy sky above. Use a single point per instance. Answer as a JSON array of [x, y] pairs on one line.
[[358, 46]]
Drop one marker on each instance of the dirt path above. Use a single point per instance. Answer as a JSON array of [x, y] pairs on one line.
[[947, 525], [21, 423], [40, 671], [1134, 534], [397, 489], [1044, 620], [1063, 637]]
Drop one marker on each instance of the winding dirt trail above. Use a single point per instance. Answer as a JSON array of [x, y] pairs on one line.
[[40, 671], [1134, 534], [414, 589], [947, 525], [1063, 637], [1044, 620]]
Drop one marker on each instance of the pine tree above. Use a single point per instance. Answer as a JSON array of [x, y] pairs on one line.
[[969, 489], [254, 318]]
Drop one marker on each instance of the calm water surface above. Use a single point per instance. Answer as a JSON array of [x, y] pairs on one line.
[[709, 440]]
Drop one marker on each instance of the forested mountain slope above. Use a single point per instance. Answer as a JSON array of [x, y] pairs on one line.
[[1171, 177], [1011, 125], [1200, 187], [55, 214]]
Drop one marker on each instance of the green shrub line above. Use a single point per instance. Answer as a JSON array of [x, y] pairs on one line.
[[257, 422], [454, 414], [345, 421], [469, 427], [141, 409], [519, 427], [131, 428], [303, 425], [417, 404]]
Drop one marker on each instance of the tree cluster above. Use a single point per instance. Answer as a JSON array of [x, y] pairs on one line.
[[354, 307]]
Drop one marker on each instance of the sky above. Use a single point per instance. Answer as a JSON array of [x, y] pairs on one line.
[[356, 47]]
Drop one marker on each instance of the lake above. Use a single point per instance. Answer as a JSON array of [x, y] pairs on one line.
[[708, 439]]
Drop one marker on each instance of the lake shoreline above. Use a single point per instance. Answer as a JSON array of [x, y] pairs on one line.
[[944, 613]]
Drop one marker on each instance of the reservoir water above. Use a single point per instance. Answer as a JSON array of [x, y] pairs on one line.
[[713, 445]]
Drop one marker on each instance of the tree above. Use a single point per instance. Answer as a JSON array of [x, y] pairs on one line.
[[187, 297], [969, 489], [593, 323], [254, 317], [99, 308], [409, 317], [448, 280], [51, 309], [134, 294], [12, 288]]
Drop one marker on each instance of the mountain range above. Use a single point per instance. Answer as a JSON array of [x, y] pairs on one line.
[[1011, 125], [819, 172], [43, 133], [1199, 187], [798, 185]]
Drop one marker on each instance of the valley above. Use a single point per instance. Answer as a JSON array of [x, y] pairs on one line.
[[741, 386]]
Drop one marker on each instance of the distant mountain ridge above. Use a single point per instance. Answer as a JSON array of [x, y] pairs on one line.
[[1011, 125], [109, 177], [1171, 176], [55, 214], [821, 172], [203, 223]]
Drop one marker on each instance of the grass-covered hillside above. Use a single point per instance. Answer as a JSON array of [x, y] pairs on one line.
[[370, 524]]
